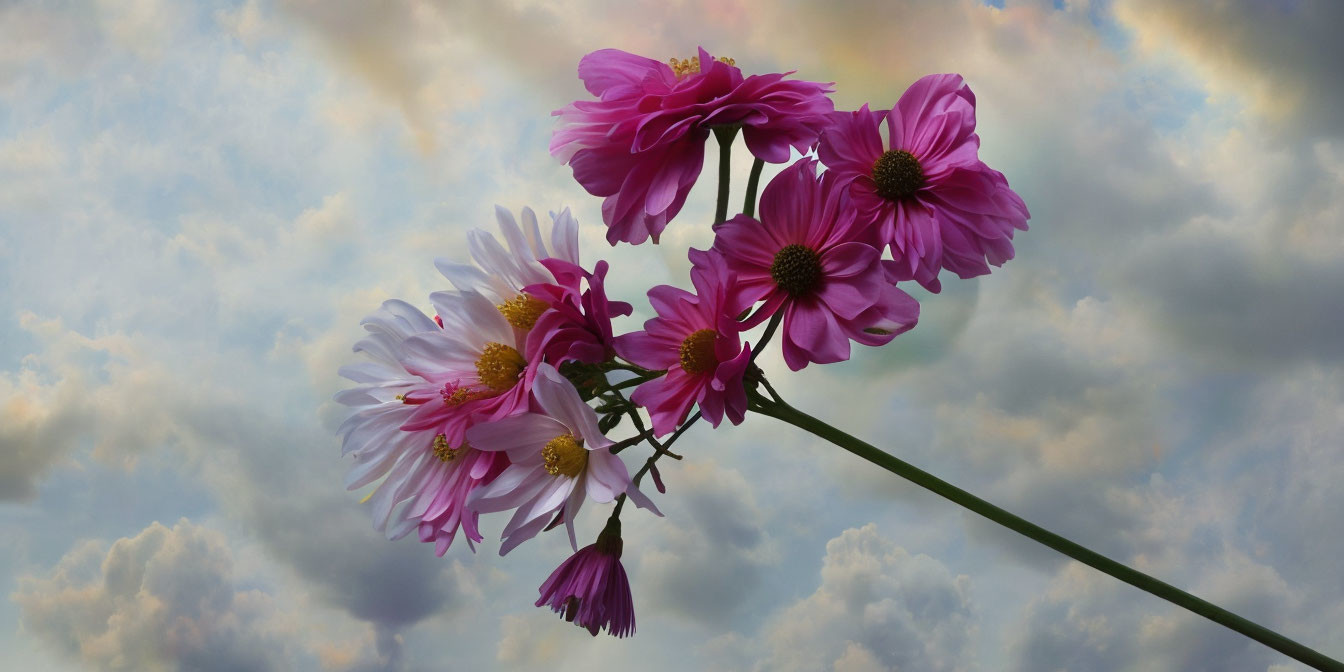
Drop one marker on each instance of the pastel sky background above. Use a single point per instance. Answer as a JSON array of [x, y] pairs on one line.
[[198, 202]]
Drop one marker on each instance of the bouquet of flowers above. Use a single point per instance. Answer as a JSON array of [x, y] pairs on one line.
[[505, 399]]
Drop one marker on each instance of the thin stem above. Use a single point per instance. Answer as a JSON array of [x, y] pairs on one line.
[[725, 135], [626, 443], [769, 332], [770, 388], [629, 383], [659, 451], [619, 366], [786, 413], [749, 205]]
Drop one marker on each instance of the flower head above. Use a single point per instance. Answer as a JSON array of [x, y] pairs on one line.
[[557, 460], [934, 202], [810, 257], [576, 325], [590, 588], [501, 273], [695, 338], [474, 364], [426, 479], [642, 143]]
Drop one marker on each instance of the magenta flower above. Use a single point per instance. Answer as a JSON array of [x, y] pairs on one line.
[[590, 588], [695, 339], [450, 476], [810, 256], [576, 324], [558, 459], [642, 144], [935, 203]]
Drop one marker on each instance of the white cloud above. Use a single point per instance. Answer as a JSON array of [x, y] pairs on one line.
[[196, 220], [878, 607], [164, 599]]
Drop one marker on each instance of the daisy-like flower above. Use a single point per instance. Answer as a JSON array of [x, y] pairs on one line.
[[558, 459], [935, 203], [590, 588], [474, 364], [425, 478], [811, 257], [642, 143], [695, 338], [501, 274]]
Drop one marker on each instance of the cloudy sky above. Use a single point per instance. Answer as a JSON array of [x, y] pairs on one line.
[[198, 202]]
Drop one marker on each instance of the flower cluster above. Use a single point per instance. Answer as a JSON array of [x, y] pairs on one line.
[[503, 400]]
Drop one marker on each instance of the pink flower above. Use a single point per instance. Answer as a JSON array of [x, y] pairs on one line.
[[557, 459], [425, 478], [810, 256], [935, 203], [590, 588], [642, 144], [576, 325], [474, 367], [695, 339]]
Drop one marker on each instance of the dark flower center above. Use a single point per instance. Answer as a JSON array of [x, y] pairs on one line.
[[697, 352], [897, 175], [797, 269]]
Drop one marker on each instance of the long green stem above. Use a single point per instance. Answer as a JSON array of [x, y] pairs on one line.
[[1166, 591], [725, 135], [749, 205]]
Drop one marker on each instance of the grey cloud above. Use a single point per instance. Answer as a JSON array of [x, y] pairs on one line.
[[1224, 300], [1284, 54], [164, 599], [1090, 622], [74, 392], [707, 561]]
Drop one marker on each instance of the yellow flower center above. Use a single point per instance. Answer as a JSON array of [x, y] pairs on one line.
[[697, 352], [456, 396], [522, 311], [565, 456], [442, 450], [691, 65], [499, 367]]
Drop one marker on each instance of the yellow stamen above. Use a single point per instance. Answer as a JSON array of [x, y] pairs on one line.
[[442, 450], [697, 352], [499, 367], [565, 455], [691, 65], [522, 311]]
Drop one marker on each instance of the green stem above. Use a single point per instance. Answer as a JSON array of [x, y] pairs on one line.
[[659, 451], [749, 206], [786, 413], [769, 332], [725, 135], [633, 382]]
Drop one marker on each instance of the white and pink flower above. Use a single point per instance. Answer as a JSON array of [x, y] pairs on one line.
[[425, 478], [558, 459]]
